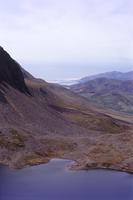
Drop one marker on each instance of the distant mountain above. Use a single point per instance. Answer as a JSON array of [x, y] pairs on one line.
[[109, 93], [104, 85], [111, 75]]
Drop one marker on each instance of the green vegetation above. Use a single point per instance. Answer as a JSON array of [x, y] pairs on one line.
[[120, 102]]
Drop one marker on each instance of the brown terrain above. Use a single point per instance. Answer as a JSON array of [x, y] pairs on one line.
[[40, 121]]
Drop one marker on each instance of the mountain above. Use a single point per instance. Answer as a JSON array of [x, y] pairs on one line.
[[109, 93], [110, 75], [40, 121], [104, 85]]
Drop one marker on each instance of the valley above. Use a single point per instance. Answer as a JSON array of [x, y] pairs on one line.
[[40, 121]]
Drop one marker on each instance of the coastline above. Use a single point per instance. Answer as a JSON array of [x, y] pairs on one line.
[[74, 166]]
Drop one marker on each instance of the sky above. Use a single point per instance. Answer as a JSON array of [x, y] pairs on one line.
[[64, 39]]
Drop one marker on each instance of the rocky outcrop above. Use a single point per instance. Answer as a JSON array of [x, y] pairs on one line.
[[10, 73]]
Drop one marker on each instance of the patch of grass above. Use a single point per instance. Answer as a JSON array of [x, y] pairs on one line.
[[118, 102], [96, 122]]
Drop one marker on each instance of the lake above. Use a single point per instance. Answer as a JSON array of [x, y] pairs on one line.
[[53, 181]]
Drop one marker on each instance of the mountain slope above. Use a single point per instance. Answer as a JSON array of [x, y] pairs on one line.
[[109, 93], [104, 85], [40, 121]]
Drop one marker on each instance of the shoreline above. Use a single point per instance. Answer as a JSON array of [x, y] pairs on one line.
[[74, 166]]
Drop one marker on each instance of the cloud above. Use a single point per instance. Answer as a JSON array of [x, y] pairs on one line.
[[67, 31]]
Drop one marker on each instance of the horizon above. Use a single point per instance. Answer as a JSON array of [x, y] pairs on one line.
[[78, 78], [75, 73], [69, 38], [72, 71]]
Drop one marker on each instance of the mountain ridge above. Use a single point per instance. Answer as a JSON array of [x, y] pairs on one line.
[[104, 85], [111, 75]]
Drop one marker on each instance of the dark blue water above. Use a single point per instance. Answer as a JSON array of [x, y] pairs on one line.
[[53, 181]]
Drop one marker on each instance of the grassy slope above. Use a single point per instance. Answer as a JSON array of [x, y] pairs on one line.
[[119, 102]]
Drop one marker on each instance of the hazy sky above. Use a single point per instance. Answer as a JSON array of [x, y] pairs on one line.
[[57, 39]]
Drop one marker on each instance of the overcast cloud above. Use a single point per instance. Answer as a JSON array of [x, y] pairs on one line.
[[71, 38]]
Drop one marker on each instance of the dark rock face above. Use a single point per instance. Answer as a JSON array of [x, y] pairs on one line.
[[2, 98], [27, 75], [10, 72]]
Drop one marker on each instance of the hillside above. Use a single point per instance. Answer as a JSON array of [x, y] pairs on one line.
[[108, 93], [40, 121], [104, 85]]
